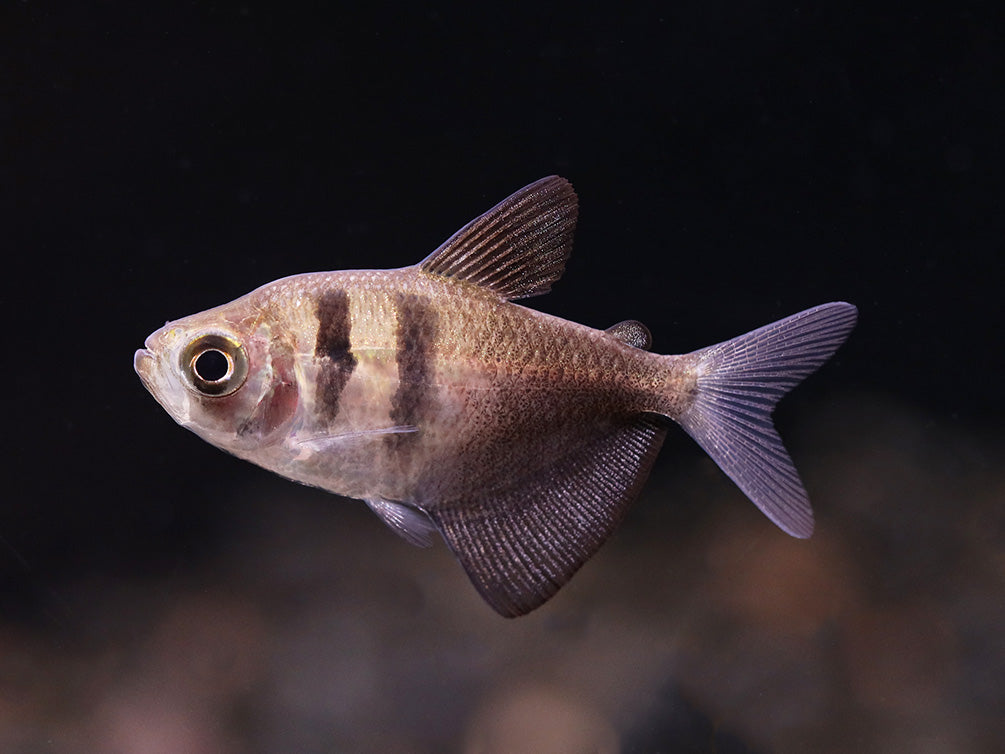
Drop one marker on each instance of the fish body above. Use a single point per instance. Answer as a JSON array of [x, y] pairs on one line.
[[519, 436]]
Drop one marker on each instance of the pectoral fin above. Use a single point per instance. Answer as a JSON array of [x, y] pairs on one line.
[[332, 442], [520, 545]]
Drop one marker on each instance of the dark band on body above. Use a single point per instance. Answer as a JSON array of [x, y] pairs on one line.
[[414, 340], [333, 351]]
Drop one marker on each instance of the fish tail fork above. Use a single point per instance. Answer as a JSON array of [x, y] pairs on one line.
[[737, 385]]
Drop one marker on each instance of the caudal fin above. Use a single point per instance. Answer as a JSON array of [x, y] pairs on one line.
[[739, 382]]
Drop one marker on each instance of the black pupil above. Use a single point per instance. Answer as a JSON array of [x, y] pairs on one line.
[[211, 365]]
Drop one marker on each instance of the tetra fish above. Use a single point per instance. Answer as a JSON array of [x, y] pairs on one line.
[[520, 437]]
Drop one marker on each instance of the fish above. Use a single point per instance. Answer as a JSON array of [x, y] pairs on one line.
[[518, 437]]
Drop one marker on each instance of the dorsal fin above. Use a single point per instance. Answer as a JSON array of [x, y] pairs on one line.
[[520, 545], [519, 247], [632, 332]]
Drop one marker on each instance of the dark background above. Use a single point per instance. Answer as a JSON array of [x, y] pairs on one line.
[[735, 163]]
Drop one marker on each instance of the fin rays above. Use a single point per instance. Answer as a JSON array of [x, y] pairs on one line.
[[519, 247], [520, 545], [739, 382]]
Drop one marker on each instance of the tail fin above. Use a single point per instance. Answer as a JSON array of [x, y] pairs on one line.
[[739, 383]]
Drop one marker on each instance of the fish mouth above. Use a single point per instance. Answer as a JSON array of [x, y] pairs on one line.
[[161, 384], [144, 363]]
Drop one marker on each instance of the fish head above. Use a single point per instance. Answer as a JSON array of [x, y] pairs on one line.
[[225, 374]]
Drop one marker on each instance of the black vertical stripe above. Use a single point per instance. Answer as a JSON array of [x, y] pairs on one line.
[[333, 349], [414, 338]]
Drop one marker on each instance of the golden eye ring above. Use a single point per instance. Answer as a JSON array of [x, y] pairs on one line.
[[214, 364]]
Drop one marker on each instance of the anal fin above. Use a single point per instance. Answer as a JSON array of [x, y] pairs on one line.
[[521, 544]]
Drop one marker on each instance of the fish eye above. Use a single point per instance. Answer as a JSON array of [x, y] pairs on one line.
[[214, 364]]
